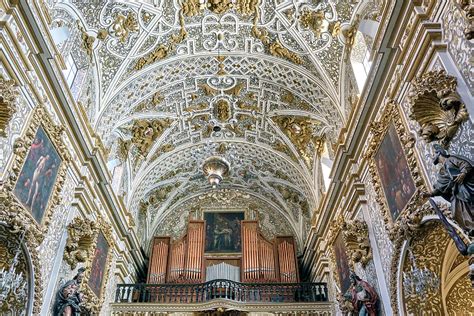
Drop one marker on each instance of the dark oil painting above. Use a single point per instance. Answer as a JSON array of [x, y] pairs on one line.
[[223, 231], [395, 176], [342, 263], [38, 175], [98, 265]]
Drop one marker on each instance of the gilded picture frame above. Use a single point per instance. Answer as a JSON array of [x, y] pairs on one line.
[[336, 240], [39, 120], [95, 297], [391, 119]]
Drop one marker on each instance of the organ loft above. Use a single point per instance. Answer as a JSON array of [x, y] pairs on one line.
[[236, 157]]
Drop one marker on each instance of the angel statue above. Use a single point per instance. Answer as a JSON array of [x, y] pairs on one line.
[[455, 183], [363, 297], [69, 298]]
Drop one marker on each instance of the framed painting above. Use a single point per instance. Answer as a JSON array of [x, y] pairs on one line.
[[394, 173], [98, 265], [37, 177], [393, 166], [342, 263], [37, 172], [223, 232], [96, 277]]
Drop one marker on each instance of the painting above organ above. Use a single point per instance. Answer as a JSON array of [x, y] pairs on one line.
[[223, 245]]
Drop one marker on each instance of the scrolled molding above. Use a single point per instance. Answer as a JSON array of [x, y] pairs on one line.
[[437, 107], [8, 96], [356, 239], [81, 234]]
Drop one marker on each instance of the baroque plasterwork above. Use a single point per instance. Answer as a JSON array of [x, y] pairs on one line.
[[219, 71]]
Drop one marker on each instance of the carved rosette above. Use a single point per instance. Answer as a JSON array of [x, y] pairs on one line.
[[408, 218], [8, 95], [356, 238], [81, 233], [92, 302], [436, 106]]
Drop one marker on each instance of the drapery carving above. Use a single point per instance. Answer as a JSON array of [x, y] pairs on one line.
[[437, 107], [80, 240]]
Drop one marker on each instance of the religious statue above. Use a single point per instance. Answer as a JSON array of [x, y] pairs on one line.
[[363, 297], [69, 298], [455, 183]]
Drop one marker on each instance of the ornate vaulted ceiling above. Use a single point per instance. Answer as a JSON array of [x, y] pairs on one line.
[[170, 83]]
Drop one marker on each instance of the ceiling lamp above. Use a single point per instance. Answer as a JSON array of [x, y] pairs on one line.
[[215, 168]]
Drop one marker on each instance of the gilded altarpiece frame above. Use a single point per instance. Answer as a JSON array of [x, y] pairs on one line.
[[391, 119], [93, 299], [13, 212], [337, 243]]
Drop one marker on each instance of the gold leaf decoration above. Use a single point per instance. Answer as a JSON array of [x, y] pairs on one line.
[[81, 233], [8, 95], [145, 132]]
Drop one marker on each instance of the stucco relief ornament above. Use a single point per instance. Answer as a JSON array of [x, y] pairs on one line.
[[437, 107], [356, 237], [80, 239], [8, 95], [123, 26]]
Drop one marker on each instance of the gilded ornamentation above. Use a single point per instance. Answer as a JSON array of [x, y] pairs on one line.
[[123, 148], [196, 107], [468, 8], [313, 20], [157, 98], [247, 7], [40, 117], [123, 26], [145, 132], [161, 194], [356, 238], [301, 132], [8, 95], [87, 40], [92, 301], [459, 298], [428, 248], [276, 49], [80, 239], [192, 7], [207, 90], [408, 217], [222, 110], [437, 107], [219, 6]]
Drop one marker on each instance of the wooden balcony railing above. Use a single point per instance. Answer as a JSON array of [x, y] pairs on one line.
[[222, 289]]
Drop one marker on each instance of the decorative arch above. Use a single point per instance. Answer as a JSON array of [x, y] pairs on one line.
[[433, 249]]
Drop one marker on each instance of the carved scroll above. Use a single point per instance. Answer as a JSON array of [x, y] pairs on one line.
[[81, 236], [437, 107], [8, 95], [356, 238]]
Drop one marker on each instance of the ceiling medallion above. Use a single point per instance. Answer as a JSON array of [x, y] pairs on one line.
[[215, 168]]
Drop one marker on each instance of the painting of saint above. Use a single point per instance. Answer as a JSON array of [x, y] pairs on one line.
[[38, 175], [342, 263], [397, 182], [98, 265], [223, 231]]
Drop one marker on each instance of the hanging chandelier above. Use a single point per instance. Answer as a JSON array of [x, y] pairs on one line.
[[419, 281], [215, 168], [13, 285]]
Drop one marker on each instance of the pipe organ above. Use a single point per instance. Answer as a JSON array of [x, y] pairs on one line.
[[260, 260]]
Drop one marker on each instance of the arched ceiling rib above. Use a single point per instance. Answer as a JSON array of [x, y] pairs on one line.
[[254, 81]]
